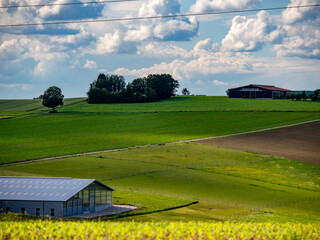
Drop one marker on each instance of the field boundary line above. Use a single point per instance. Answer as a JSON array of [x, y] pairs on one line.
[[156, 144]]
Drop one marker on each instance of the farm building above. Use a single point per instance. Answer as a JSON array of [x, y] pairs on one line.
[[259, 91], [56, 197]]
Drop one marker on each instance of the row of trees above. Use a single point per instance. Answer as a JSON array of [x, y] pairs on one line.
[[113, 89], [315, 97]]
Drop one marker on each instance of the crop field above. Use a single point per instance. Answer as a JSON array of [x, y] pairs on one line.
[[172, 184], [45, 135], [298, 142], [199, 103], [234, 183], [159, 230]]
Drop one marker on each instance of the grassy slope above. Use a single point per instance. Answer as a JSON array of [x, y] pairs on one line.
[[57, 134], [199, 104], [180, 171], [77, 105]]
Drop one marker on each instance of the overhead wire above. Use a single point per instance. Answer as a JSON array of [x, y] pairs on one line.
[[156, 17], [66, 4]]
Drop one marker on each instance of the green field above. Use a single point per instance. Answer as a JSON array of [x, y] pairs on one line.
[[184, 172], [226, 184], [39, 136], [200, 103]]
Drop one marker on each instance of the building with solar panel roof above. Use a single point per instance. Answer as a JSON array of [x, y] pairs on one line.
[[56, 197]]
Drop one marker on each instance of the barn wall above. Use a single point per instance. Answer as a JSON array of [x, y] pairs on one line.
[[32, 206], [246, 94]]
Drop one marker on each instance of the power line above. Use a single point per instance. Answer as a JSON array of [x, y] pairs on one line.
[[155, 17], [65, 4]]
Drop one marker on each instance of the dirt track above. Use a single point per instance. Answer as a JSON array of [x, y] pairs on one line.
[[300, 142]]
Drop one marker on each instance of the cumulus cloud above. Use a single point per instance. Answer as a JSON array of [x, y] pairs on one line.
[[294, 15], [10, 49], [219, 83], [251, 33], [294, 33], [300, 41], [161, 49], [114, 43], [205, 64], [209, 5], [173, 29], [127, 36], [301, 30], [90, 64], [206, 45]]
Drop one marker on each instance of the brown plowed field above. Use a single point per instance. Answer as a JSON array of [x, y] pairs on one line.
[[300, 142]]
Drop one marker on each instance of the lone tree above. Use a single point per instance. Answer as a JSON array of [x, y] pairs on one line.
[[185, 92], [52, 98]]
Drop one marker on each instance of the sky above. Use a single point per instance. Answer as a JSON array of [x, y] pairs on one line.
[[206, 54]]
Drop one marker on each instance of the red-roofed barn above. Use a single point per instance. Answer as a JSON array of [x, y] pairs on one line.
[[259, 91]]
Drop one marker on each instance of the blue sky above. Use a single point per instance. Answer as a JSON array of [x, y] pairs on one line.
[[207, 54]]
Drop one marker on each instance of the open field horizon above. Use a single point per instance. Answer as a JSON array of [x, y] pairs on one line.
[[219, 183]]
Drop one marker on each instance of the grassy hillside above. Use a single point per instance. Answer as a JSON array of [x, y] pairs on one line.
[[194, 172], [44, 135], [227, 184], [201, 103]]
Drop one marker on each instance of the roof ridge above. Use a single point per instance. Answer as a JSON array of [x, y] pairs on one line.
[[58, 178]]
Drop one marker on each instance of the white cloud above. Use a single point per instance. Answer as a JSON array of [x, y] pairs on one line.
[[90, 64], [219, 83], [207, 45], [294, 15], [114, 43], [300, 41], [10, 49], [209, 5], [250, 33], [205, 64], [24, 87], [162, 50], [294, 33], [301, 31], [51, 10]]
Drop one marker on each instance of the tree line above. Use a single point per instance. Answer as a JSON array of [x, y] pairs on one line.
[[315, 97], [113, 89]]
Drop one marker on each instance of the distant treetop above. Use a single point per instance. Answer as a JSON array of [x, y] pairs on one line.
[[113, 89]]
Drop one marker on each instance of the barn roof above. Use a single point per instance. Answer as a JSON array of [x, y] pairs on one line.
[[267, 87], [42, 189]]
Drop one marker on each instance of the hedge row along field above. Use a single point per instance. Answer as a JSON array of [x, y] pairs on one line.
[[156, 230]]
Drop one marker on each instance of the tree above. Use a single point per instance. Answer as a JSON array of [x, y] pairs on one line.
[[185, 92], [139, 85], [304, 95], [163, 85], [52, 98], [298, 97], [293, 96], [316, 96]]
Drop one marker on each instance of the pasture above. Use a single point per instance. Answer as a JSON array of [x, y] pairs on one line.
[[43, 135], [234, 183], [219, 183], [192, 103]]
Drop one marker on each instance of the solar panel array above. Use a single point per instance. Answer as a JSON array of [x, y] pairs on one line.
[[40, 189]]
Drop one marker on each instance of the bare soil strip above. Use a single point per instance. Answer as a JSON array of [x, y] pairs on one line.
[[205, 140], [300, 142]]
